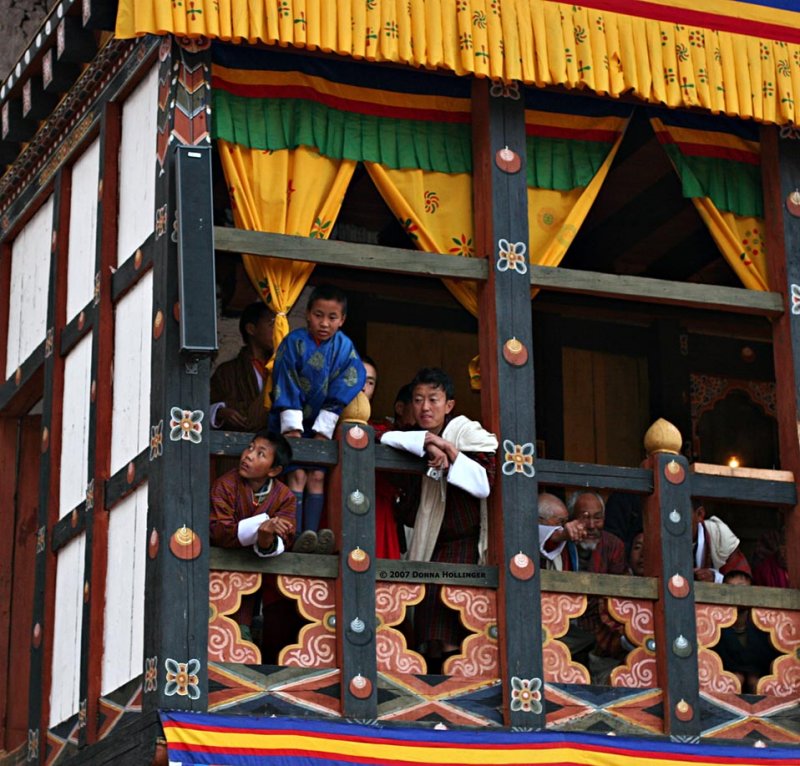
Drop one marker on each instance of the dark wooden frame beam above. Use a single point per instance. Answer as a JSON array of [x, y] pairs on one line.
[[780, 163], [400, 261], [686, 294], [49, 472]]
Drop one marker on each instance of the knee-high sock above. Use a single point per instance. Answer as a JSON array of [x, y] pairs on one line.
[[312, 511], [298, 514]]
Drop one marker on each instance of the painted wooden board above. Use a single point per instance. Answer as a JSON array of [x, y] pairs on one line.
[[82, 230], [132, 345], [75, 427], [64, 686], [123, 628], [30, 274], [137, 165]]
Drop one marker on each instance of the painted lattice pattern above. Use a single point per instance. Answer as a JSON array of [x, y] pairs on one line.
[[225, 643]]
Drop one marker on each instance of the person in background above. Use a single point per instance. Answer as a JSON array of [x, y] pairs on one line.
[[769, 560], [715, 548], [387, 545], [743, 648], [237, 386]]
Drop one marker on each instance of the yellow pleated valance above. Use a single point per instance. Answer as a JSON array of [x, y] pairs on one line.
[[731, 57]]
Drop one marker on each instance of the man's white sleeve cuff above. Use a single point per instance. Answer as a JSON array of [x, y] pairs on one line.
[[325, 423], [469, 476], [410, 441], [291, 420], [718, 576], [247, 530], [545, 533], [279, 548], [212, 414]]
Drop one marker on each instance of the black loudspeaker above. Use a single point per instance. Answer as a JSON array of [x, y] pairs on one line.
[[196, 278]]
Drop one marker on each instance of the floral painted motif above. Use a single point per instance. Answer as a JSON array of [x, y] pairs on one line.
[[150, 674], [753, 244], [465, 41], [391, 30], [463, 246], [41, 536], [526, 694], [795, 299], [320, 228], [479, 19], [410, 228], [182, 678], [505, 90], [512, 256], [518, 458], [431, 201], [186, 425], [157, 440]]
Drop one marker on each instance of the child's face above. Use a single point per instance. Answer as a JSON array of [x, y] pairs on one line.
[[256, 463], [324, 319]]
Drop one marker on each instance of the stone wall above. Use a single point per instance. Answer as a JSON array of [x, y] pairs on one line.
[[19, 22]]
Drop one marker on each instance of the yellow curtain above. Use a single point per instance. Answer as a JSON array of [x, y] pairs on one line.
[[291, 191], [741, 241], [724, 68], [435, 209], [554, 217]]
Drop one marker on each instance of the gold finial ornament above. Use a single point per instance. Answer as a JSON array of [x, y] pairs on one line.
[[663, 437], [358, 411]]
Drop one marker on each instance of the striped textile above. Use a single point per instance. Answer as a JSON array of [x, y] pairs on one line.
[[195, 738]]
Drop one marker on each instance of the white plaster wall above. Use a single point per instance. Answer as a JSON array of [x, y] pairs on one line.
[[30, 275], [75, 426], [131, 409], [66, 669], [123, 629], [137, 167], [82, 230]]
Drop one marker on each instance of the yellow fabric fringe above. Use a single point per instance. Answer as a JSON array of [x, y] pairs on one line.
[[535, 41]]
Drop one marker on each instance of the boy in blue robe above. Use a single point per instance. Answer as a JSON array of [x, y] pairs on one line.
[[317, 374]]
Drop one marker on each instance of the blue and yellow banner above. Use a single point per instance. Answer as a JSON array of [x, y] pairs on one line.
[[194, 739]]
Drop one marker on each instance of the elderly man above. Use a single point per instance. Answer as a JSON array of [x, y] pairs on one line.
[[595, 637]]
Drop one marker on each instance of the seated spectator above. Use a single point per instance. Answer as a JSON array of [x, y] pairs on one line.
[[743, 648], [555, 526], [251, 509], [769, 561], [636, 556], [594, 638], [715, 548], [237, 386]]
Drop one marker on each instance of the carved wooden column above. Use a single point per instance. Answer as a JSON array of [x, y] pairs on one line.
[[668, 540], [505, 341], [176, 575]]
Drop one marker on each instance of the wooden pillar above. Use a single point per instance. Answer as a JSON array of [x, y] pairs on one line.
[[780, 163], [668, 537], [176, 574], [505, 342], [99, 438], [669, 377], [353, 479], [49, 467]]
